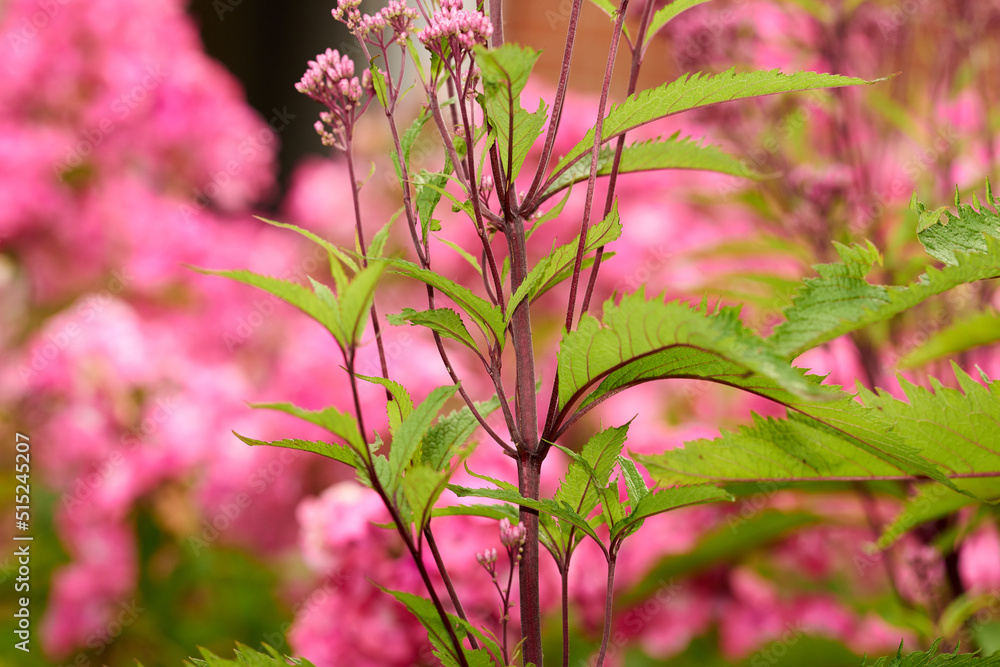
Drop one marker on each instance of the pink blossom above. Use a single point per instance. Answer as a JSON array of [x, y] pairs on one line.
[[463, 28], [979, 560]]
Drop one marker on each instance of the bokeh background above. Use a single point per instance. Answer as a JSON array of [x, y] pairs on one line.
[[139, 138]]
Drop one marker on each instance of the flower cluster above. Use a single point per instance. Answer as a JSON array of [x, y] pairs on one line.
[[463, 29], [395, 16], [512, 537], [330, 81]]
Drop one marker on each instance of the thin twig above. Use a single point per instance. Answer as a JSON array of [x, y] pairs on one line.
[[447, 582]]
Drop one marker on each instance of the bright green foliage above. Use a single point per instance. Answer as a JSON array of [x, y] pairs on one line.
[[406, 441], [639, 340], [327, 449], [981, 328], [483, 313], [634, 483], [443, 439], [698, 90], [968, 232], [407, 141], [444, 649], [356, 301], [247, 657], [335, 250], [505, 72], [933, 501], [509, 494], [444, 321], [586, 485], [317, 306], [883, 439], [401, 405], [956, 428], [558, 264], [430, 188], [344, 318], [589, 474], [422, 486], [931, 659], [665, 500], [333, 420], [840, 300], [665, 14], [674, 153]]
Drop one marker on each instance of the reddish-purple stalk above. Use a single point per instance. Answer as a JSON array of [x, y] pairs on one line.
[[587, 206], [349, 153], [452, 593], [638, 53], [505, 601], [397, 520], [424, 257], [595, 156], [530, 200], [609, 597]]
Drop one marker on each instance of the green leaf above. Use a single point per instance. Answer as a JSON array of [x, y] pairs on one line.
[[428, 616], [297, 295], [247, 657], [495, 512], [978, 329], [956, 428], [933, 501], [412, 133], [356, 301], [505, 72], [401, 405], [463, 253], [611, 9], [692, 91], [941, 435], [444, 321], [377, 245], [406, 441], [666, 14], [563, 512], [638, 341], [673, 153], [483, 313], [931, 658], [328, 449], [331, 248], [430, 188], [955, 235], [378, 83], [840, 300], [634, 482], [333, 420], [422, 486], [664, 500], [558, 264], [451, 432], [588, 473]]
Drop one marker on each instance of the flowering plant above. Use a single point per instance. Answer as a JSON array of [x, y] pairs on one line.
[[473, 87]]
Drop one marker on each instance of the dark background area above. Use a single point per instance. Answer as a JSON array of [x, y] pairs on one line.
[[267, 44]]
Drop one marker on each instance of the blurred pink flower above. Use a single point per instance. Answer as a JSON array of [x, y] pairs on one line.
[[979, 560]]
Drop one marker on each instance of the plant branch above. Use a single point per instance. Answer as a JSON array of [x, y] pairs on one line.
[[595, 155], [530, 203], [608, 604], [638, 52], [397, 519], [447, 582], [364, 261]]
